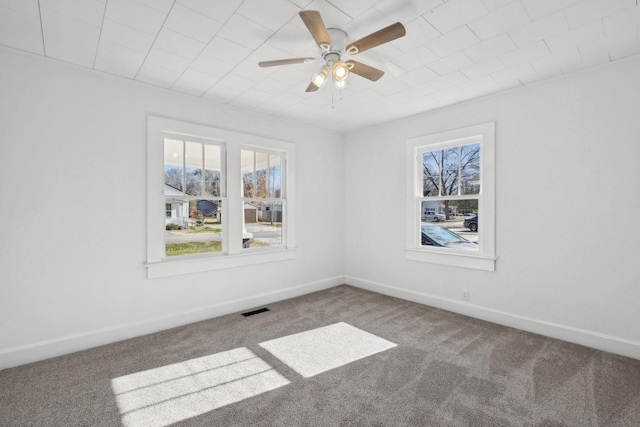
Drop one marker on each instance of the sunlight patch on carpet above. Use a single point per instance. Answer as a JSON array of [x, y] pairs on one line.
[[169, 394], [312, 352]]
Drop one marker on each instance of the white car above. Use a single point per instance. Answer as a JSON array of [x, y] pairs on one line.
[[432, 216]]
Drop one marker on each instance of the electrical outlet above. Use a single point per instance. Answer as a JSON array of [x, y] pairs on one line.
[[465, 294]]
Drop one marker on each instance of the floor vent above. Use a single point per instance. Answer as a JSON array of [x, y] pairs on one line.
[[258, 311]]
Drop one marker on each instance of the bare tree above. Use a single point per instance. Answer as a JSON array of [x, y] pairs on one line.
[[450, 171]]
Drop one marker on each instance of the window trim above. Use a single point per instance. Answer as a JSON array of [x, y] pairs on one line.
[[158, 265], [485, 258]]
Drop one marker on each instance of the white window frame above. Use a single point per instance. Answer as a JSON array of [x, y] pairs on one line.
[[158, 265], [484, 258]]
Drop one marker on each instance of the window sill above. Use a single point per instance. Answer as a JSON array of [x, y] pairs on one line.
[[477, 262], [174, 267]]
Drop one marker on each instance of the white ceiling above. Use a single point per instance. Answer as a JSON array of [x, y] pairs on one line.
[[454, 50]]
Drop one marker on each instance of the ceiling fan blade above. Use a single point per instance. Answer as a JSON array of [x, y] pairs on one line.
[[387, 34], [285, 62], [316, 27], [312, 88], [364, 70]]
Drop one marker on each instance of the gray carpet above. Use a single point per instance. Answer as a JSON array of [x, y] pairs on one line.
[[446, 370]]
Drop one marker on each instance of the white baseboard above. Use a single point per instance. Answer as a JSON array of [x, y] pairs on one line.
[[41, 350], [584, 337]]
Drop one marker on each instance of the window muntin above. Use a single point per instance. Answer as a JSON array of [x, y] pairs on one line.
[[450, 179]]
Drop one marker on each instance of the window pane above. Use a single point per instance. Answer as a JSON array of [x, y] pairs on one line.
[[212, 170], [458, 231], [193, 226], [173, 167], [275, 184], [470, 169], [431, 161], [263, 224], [247, 169], [262, 174], [450, 177], [193, 172]]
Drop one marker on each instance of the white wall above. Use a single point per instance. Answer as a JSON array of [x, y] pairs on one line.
[[567, 185], [73, 212]]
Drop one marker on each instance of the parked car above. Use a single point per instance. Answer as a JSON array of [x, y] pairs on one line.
[[432, 216], [471, 223], [434, 235]]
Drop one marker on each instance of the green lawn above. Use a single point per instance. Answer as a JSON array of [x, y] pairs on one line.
[[203, 230], [186, 248]]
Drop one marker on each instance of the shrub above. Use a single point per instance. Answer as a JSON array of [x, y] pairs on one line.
[[173, 227]]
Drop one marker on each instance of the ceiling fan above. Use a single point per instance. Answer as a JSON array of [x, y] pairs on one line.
[[332, 43]]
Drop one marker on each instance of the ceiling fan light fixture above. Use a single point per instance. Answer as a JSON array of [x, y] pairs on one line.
[[320, 78], [340, 84], [340, 71]]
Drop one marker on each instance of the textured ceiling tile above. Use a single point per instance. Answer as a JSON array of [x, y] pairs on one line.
[[194, 83], [500, 21], [28, 7], [117, 33], [556, 63], [135, 15], [576, 37], [118, 60], [450, 63], [525, 54], [539, 30], [410, 61], [244, 32], [453, 41], [271, 14], [483, 68], [419, 32], [591, 10], [226, 50], [541, 8], [222, 94], [20, 31], [89, 11], [497, 4], [612, 43], [167, 60], [514, 74], [68, 39], [445, 82], [417, 76], [293, 40], [211, 65], [157, 76], [490, 48], [479, 86], [220, 10], [409, 9], [192, 24], [455, 13], [250, 100], [623, 21], [163, 6], [176, 43]]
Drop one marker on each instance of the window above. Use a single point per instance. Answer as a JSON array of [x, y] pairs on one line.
[[450, 198], [227, 199], [262, 199], [193, 184]]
